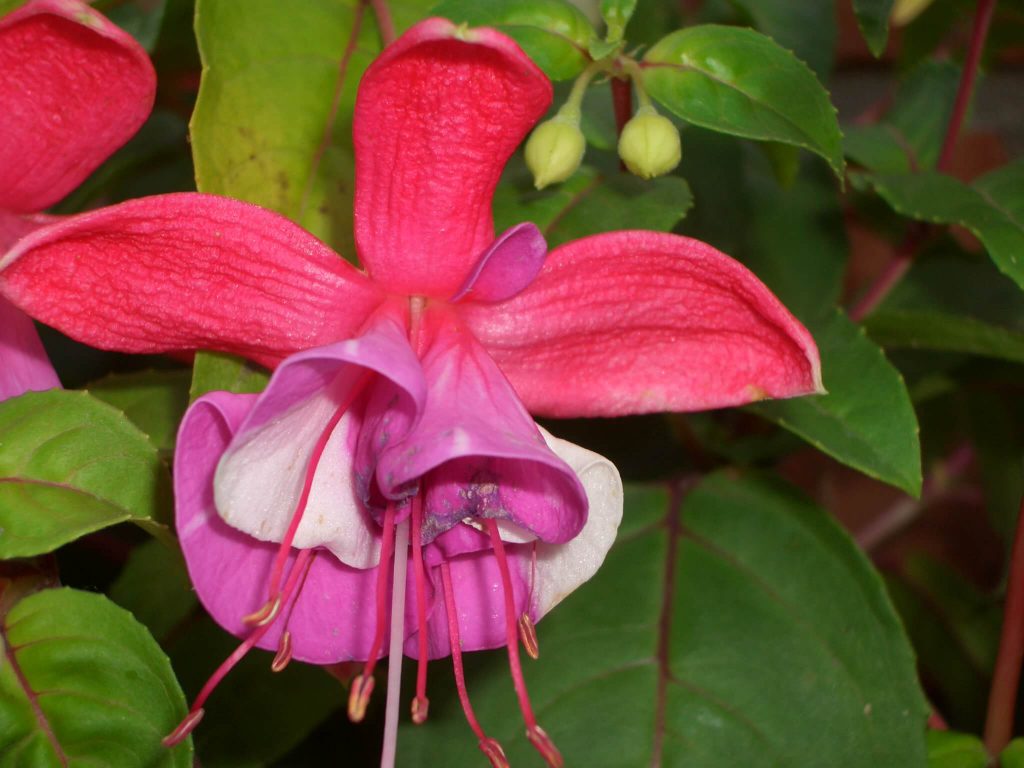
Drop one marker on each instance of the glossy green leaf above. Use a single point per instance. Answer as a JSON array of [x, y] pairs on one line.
[[948, 749], [740, 82], [992, 208], [616, 15], [807, 28], [155, 587], [590, 203], [1013, 755], [867, 420], [554, 33], [154, 400], [273, 121], [83, 683], [216, 371], [932, 330], [682, 648], [873, 20], [70, 465]]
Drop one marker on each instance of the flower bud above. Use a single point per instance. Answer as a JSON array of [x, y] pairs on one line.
[[555, 150], [649, 144]]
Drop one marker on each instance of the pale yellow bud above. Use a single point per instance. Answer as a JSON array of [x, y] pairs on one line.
[[555, 150], [649, 144]]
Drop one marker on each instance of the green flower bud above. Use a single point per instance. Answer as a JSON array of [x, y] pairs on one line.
[[649, 144], [555, 150]]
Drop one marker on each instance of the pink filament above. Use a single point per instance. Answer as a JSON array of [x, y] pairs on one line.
[[456, 643], [387, 549]]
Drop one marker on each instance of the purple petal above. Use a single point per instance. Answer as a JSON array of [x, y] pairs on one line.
[[260, 478], [477, 450], [507, 266], [332, 619], [24, 365]]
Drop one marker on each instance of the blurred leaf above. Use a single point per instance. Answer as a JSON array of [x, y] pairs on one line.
[[1013, 755], [740, 82], [139, 18], [273, 121], [554, 33], [873, 20], [590, 203], [6, 6], [997, 436], [155, 587], [955, 633], [254, 715], [217, 371], [154, 400], [807, 28], [616, 15], [71, 465], [867, 420], [693, 617], [784, 160], [948, 749], [992, 208], [932, 330], [910, 135], [85, 684]]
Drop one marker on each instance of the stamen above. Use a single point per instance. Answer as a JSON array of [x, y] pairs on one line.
[[488, 746], [540, 740], [195, 714], [284, 646], [362, 685], [528, 635], [421, 703], [265, 614]]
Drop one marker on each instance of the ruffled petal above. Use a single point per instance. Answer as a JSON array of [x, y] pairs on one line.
[[437, 116], [74, 89], [260, 478], [331, 620], [188, 271], [639, 322], [24, 366], [476, 452]]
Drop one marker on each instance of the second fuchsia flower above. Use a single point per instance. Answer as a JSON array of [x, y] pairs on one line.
[[399, 408]]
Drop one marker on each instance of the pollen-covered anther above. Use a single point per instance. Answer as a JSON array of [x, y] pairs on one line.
[[284, 652], [543, 744], [528, 636], [265, 614], [420, 707], [359, 697], [494, 752], [185, 727]]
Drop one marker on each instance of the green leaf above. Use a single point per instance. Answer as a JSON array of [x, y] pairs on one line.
[[807, 28], [217, 371], [992, 208], [740, 82], [83, 683], [273, 120], [873, 20], [1013, 755], [155, 587], [951, 333], [8, 6], [995, 433], [141, 19], [616, 15], [154, 400], [867, 420], [948, 749], [554, 33], [70, 465], [715, 635], [590, 203]]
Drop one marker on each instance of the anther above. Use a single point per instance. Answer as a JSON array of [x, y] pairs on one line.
[[265, 614], [185, 727], [543, 744], [359, 697], [494, 752], [420, 706], [528, 636], [284, 652]]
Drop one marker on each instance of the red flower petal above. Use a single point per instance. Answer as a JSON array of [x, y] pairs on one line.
[[438, 115], [637, 322], [188, 271], [74, 89]]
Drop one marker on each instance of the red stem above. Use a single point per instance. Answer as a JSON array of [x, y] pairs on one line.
[[901, 262], [384, 21], [1006, 676]]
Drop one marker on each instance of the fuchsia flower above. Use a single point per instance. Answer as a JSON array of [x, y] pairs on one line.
[[74, 89], [399, 407]]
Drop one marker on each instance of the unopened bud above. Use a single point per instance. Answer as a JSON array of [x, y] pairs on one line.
[[555, 150], [649, 144]]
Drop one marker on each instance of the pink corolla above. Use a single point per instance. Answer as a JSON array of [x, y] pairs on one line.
[[74, 88], [393, 451]]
